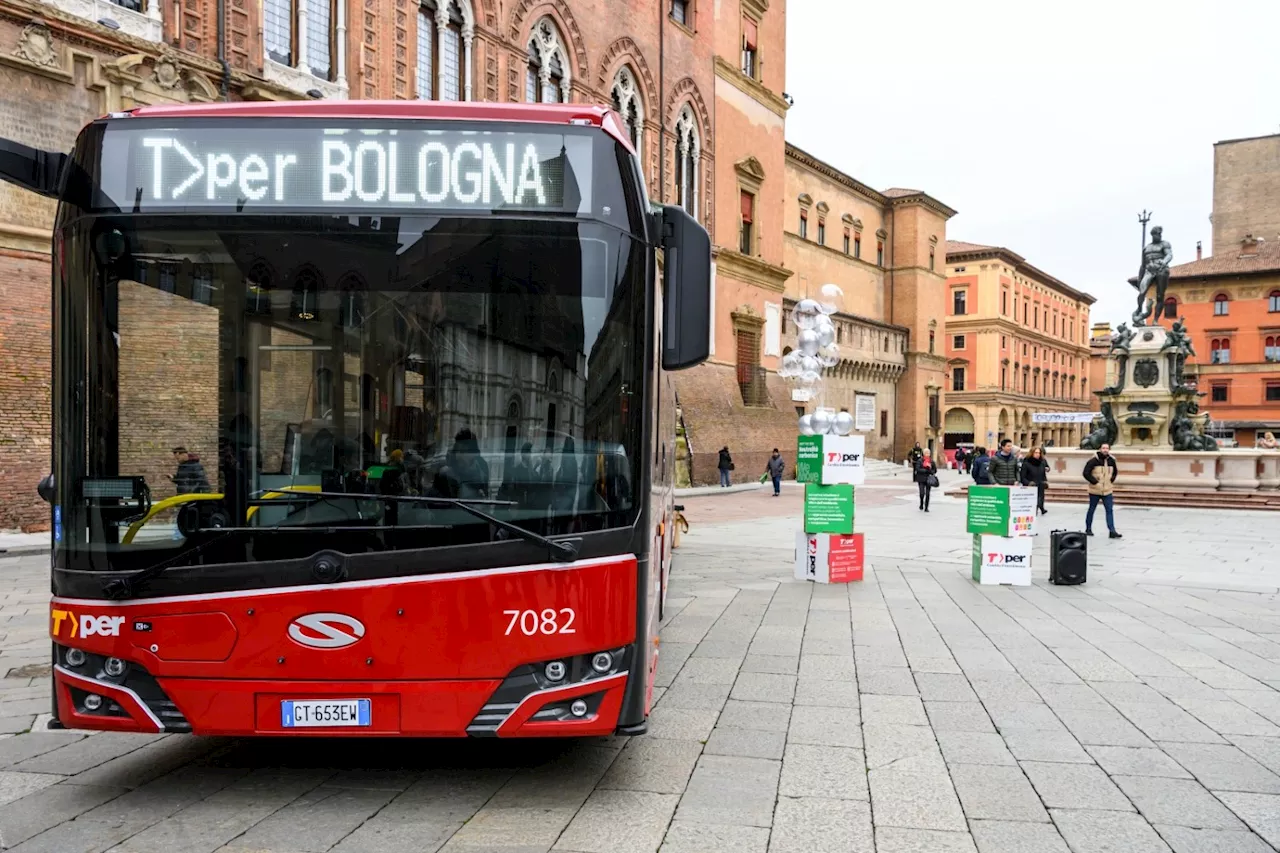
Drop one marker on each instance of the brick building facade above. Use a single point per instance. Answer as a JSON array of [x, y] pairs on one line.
[[883, 250], [78, 59], [1246, 191], [1017, 341], [1231, 305]]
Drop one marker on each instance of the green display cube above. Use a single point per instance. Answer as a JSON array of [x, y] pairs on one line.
[[828, 509]]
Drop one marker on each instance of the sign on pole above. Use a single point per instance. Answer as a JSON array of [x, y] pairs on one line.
[[1002, 510]]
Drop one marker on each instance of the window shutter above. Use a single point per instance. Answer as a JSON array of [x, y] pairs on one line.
[[748, 202], [749, 34]]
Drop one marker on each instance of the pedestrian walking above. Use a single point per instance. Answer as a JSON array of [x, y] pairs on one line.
[[725, 465], [925, 474], [774, 469], [982, 468], [1004, 465], [1035, 472], [915, 455], [959, 458], [1100, 473], [190, 478]]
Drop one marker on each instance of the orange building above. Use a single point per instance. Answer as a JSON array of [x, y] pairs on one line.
[[1231, 305], [1017, 342]]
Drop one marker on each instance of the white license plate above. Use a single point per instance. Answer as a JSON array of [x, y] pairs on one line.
[[297, 713]]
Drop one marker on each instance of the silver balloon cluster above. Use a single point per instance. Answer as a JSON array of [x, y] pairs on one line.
[[815, 350]]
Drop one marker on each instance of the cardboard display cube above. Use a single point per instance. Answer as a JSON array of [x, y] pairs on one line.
[[1002, 559], [1001, 510], [829, 558]]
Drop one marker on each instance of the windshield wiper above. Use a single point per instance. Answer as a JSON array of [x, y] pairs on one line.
[[122, 588], [567, 550]]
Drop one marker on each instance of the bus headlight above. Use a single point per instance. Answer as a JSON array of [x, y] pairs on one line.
[[555, 671], [92, 702], [75, 657], [578, 708], [602, 662], [114, 667]]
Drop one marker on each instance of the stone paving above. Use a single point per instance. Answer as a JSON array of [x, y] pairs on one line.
[[915, 711]]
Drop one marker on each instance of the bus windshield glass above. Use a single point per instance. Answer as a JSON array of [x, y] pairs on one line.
[[294, 382]]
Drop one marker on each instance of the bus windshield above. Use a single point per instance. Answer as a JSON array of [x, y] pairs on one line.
[[290, 383]]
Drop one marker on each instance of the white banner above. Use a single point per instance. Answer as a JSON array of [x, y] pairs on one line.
[[1063, 417], [864, 412]]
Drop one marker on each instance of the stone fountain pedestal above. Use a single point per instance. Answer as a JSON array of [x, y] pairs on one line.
[[1157, 433]]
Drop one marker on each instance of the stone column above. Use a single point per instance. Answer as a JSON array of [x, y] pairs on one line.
[[301, 63], [341, 43]]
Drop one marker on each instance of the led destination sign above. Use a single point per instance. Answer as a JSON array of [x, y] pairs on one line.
[[388, 168]]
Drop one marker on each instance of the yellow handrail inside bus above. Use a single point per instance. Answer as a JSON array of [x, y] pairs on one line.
[[178, 500]]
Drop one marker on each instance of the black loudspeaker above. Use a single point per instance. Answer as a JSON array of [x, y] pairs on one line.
[[1068, 557]]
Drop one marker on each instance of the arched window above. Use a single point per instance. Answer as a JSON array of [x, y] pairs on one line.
[[1220, 351], [547, 75], [1272, 351], [445, 29], [626, 100], [1171, 307], [1221, 305], [688, 160], [1273, 302]]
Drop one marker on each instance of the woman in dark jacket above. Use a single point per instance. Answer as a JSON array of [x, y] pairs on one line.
[[924, 471], [1035, 472], [725, 465]]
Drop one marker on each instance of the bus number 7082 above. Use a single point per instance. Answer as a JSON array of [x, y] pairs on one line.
[[532, 622]]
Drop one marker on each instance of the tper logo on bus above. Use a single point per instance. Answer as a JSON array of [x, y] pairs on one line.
[[84, 625]]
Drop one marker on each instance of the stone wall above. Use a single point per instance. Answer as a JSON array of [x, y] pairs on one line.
[[24, 388], [1246, 191]]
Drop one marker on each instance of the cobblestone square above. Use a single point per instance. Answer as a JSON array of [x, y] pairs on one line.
[[915, 710]]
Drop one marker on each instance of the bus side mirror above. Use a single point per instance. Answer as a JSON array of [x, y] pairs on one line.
[[45, 489], [31, 168], [686, 320]]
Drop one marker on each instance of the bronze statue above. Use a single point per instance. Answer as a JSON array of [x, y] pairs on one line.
[[1156, 258], [1121, 338], [1182, 433], [1179, 340], [1106, 432]]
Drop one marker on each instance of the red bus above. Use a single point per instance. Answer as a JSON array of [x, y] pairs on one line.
[[362, 418]]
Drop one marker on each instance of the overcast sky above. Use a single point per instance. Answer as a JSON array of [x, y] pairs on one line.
[[1047, 125]]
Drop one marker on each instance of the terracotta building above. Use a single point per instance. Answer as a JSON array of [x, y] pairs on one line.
[[1101, 368], [1246, 191], [1231, 305], [1017, 342], [673, 68], [736, 398], [883, 249]]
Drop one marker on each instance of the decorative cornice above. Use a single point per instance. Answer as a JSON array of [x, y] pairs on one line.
[[925, 200], [752, 270], [756, 8], [1020, 264], [750, 169], [826, 170], [756, 90]]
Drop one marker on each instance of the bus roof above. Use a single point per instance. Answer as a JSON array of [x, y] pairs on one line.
[[591, 114]]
